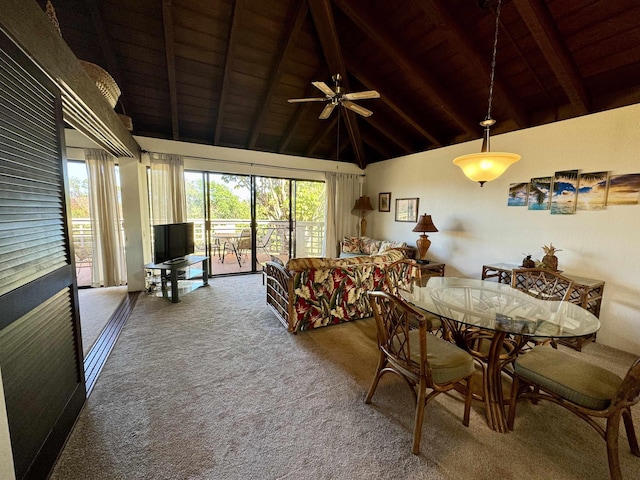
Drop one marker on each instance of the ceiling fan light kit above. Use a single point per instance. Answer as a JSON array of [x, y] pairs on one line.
[[487, 165], [336, 96]]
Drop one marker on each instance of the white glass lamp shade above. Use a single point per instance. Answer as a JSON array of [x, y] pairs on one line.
[[485, 166]]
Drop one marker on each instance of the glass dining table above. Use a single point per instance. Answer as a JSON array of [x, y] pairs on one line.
[[494, 322]]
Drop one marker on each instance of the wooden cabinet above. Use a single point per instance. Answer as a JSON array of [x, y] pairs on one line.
[[587, 292]]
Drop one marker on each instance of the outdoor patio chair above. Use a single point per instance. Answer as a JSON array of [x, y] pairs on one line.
[[264, 240]]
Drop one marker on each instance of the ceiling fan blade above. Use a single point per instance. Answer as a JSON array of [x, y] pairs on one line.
[[300, 100], [357, 108], [324, 88], [362, 95], [326, 111]]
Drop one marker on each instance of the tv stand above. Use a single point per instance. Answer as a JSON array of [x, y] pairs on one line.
[[174, 267]]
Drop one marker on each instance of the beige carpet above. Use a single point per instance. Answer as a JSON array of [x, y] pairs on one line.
[[215, 388], [96, 307]]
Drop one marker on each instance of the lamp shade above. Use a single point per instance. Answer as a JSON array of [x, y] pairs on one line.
[[485, 166], [425, 224], [363, 203]]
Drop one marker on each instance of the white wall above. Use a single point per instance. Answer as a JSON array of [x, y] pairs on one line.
[[476, 227]]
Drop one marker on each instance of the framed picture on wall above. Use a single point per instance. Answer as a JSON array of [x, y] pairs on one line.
[[406, 210], [384, 202]]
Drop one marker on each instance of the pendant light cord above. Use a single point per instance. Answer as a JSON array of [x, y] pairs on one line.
[[493, 60], [338, 139]]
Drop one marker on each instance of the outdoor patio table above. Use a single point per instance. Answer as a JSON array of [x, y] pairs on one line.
[[227, 238], [476, 310]]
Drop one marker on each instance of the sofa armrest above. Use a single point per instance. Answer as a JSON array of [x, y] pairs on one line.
[[409, 252], [280, 293]]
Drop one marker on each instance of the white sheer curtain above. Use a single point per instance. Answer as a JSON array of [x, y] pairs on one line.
[[108, 260], [343, 189], [168, 199]]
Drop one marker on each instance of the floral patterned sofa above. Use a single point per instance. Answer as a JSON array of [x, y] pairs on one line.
[[309, 293], [359, 246]]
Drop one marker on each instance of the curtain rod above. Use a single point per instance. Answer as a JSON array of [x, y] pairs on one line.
[[240, 162]]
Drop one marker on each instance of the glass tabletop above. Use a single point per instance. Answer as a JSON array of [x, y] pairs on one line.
[[499, 307]]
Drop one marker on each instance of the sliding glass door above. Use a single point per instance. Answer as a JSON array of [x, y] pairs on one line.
[[242, 221], [83, 225], [274, 221]]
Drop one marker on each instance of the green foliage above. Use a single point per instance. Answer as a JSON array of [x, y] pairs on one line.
[[79, 197], [310, 200], [225, 204], [272, 198]]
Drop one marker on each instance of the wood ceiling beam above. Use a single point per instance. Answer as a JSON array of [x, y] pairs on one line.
[[107, 49], [169, 46], [389, 134], [313, 145], [367, 80], [289, 41], [293, 124], [238, 6], [473, 56], [374, 142], [386, 42], [540, 23], [330, 43], [301, 110]]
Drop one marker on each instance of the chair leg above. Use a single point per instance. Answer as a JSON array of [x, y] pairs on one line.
[[382, 362], [417, 424], [631, 432], [467, 403], [611, 437]]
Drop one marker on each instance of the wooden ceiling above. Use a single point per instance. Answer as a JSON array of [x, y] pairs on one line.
[[219, 72]]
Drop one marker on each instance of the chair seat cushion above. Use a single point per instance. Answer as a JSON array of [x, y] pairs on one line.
[[578, 381], [447, 362]]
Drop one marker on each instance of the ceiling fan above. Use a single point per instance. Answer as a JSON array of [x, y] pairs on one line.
[[338, 97]]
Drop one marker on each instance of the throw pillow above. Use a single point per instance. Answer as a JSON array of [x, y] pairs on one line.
[[370, 246], [389, 245], [351, 245]]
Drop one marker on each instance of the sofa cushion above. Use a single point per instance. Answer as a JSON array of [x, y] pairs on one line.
[[352, 245], [384, 245], [370, 246], [301, 264]]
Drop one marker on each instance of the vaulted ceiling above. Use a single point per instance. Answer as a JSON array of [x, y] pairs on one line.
[[219, 72]]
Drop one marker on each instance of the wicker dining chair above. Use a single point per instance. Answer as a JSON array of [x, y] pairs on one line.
[[587, 390], [545, 285], [542, 283], [401, 277], [403, 351]]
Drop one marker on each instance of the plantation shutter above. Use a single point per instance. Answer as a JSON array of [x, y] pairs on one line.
[[40, 351]]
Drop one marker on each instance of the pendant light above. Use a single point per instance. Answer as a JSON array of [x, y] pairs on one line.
[[487, 165]]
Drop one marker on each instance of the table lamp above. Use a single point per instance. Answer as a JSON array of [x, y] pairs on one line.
[[363, 204], [425, 224]]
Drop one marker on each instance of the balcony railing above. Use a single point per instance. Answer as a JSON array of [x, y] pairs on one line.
[[308, 240]]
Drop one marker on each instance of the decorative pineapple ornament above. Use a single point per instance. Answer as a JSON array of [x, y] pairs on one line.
[[550, 261], [527, 262]]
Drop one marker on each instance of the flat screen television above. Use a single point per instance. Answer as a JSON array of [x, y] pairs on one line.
[[172, 242]]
